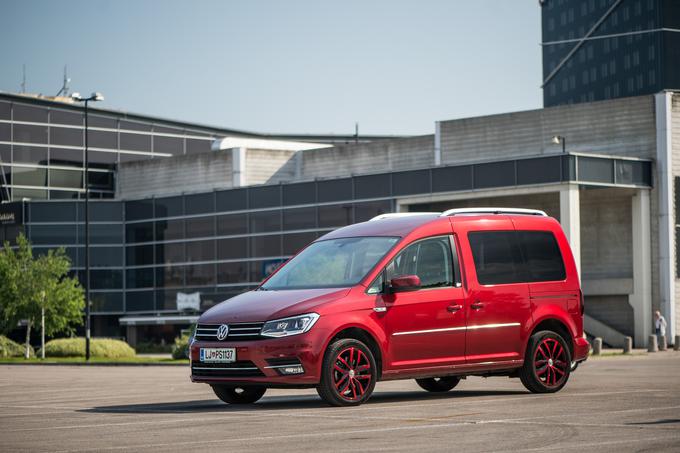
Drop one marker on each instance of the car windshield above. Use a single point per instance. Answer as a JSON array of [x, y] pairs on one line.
[[333, 263]]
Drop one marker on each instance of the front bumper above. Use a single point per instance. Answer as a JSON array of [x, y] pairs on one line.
[[258, 361]]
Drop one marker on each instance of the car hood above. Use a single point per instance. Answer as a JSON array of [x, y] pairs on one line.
[[256, 306]]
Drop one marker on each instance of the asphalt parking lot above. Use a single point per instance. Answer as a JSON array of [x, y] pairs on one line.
[[611, 403]]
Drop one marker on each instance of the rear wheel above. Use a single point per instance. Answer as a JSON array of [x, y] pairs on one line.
[[348, 374], [438, 384], [239, 395], [547, 363]]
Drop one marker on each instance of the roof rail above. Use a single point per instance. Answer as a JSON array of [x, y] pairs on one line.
[[494, 211], [393, 215]]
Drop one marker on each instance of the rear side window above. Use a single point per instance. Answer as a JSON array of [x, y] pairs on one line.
[[497, 256], [542, 255]]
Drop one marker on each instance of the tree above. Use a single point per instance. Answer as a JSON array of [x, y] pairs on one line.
[[38, 290]]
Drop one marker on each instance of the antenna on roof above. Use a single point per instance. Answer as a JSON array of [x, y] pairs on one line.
[[64, 87], [23, 79], [356, 132]]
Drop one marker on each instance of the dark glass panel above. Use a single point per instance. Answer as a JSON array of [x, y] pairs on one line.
[[139, 301], [200, 227], [495, 174], [366, 211], [232, 200], [66, 157], [592, 169], [5, 154], [169, 207], [107, 302], [259, 270], [166, 300], [137, 210], [140, 255], [196, 146], [139, 278], [30, 155], [172, 145], [299, 218], [33, 194], [632, 172], [135, 142], [232, 272], [53, 234], [336, 215], [265, 245], [542, 256], [102, 121], [106, 256], [106, 211], [334, 190], [167, 130], [101, 180], [200, 275], [497, 256], [293, 243], [72, 179], [170, 276], [568, 168], [30, 113], [447, 179], [23, 176], [26, 133], [169, 229], [102, 139], [232, 224], [261, 222], [411, 182], [52, 212], [66, 136], [5, 132], [170, 253], [201, 203], [372, 186], [102, 159], [264, 196], [139, 232], [106, 278], [135, 126], [63, 195], [66, 117], [301, 193], [106, 234], [200, 250], [5, 110], [232, 248], [539, 171]]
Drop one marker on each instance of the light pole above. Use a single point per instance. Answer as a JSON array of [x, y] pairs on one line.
[[557, 139], [77, 98]]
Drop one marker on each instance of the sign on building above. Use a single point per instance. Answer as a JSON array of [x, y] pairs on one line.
[[188, 301]]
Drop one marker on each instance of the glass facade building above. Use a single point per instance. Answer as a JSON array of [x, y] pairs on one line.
[[633, 49]]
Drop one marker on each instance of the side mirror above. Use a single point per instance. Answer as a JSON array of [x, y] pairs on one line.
[[404, 283]]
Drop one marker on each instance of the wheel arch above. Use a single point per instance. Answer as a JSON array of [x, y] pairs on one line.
[[558, 326], [363, 335]]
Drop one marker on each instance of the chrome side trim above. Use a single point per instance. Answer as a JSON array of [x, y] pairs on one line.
[[228, 369], [451, 329], [282, 366]]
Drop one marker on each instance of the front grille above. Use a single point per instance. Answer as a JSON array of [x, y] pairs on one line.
[[237, 332], [243, 368]]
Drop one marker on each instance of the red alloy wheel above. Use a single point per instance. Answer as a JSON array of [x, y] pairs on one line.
[[550, 362], [351, 374]]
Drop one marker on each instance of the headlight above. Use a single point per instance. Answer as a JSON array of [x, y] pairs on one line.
[[289, 326]]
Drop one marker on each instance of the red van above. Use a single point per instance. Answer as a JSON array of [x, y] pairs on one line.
[[433, 297]]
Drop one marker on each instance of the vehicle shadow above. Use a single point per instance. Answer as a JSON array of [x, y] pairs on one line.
[[289, 402]]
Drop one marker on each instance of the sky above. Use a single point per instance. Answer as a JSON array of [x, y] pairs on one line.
[[295, 66]]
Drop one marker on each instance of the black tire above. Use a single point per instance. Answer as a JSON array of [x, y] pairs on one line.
[[438, 384], [239, 395], [547, 363], [355, 381]]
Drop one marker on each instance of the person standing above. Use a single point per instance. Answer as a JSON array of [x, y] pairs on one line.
[[659, 325]]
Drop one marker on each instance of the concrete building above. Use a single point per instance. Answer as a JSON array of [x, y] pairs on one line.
[[185, 232]]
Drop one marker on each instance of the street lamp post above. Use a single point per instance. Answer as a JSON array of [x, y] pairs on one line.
[[557, 139], [77, 98]]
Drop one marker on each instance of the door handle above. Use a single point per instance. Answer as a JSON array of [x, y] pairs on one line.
[[477, 305], [453, 308]]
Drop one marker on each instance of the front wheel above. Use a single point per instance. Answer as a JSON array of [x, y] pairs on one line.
[[348, 374], [239, 395], [438, 384], [547, 363]]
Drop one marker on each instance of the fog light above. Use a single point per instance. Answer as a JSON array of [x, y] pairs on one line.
[[294, 369]]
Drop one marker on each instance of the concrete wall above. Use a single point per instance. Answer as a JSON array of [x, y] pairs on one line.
[[343, 160], [622, 127], [269, 166], [191, 173]]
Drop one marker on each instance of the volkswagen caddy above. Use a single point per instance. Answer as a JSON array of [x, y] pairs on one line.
[[433, 297]]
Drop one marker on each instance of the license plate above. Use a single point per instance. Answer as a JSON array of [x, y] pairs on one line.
[[218, 355]]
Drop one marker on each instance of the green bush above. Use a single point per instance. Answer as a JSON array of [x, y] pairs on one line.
[[99, 347], [180, 350], [9, 348], [149, 347]]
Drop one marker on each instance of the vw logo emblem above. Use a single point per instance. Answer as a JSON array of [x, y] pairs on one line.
[[222, 332]]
